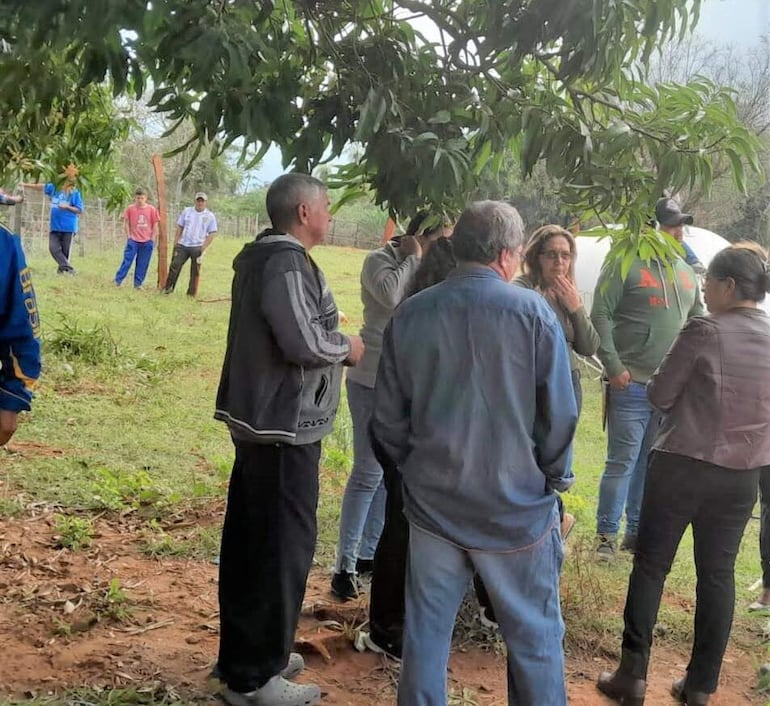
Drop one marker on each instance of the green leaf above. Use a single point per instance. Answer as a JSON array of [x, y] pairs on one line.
[[351, 194], [628, 260], [441, 118], [737, 169], [483, 157]]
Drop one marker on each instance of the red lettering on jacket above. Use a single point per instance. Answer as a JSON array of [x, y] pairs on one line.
[[647, 280], [685, 280]]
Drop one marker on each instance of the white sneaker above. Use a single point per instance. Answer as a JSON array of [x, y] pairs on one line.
[[277, 692], [293, 667], [488, 623]]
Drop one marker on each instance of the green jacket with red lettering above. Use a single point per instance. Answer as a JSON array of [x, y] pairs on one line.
[[639, 318]]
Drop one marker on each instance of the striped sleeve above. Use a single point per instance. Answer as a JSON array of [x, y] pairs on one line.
[[293, 312]]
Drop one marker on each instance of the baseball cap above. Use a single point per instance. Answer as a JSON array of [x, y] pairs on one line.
[[668, 213], [201, 195]]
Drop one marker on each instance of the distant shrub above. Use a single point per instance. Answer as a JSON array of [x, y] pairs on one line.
[[71, 340]]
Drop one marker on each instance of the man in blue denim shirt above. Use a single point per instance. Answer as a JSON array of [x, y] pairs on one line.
[[474, 403]]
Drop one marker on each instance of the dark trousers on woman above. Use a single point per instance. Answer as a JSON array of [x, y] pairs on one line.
[[717, 502], [386, 602], [764, 524], [59, 244], [268, 541]]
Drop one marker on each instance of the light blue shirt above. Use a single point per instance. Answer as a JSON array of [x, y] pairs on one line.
[[196, 226], [474, 402]]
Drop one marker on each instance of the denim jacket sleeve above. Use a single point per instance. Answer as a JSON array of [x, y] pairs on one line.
[[390, 425], [556, 411]]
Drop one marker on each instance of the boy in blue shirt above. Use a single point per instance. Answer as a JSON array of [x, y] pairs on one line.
[[66, 207]]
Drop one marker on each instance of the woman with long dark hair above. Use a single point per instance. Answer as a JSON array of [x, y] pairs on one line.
[[386, 603], [714, 388]]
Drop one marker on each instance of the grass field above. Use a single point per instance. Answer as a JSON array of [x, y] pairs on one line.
[[126, 402]]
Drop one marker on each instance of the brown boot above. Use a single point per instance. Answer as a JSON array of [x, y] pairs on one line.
[[622, 687]]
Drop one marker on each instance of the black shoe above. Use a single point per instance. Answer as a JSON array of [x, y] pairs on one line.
[[392, 648], [344, 586], [691, 698], [629, 543], [364, 566], [622, 687]]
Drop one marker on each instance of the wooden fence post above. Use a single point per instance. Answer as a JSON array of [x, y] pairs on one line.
[[157, 165]]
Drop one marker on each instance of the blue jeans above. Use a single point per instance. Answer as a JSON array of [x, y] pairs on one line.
[[143, 253], [632, 424], [363, 505], [524, 588]]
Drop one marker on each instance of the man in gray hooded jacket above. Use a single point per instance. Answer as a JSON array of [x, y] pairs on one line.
[[278, 394]]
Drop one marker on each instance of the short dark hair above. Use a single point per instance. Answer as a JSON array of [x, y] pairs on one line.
[[286, 194], [139, 191], [747, 266], [485, 229]]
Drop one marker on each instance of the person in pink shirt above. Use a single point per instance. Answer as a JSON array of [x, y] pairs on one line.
[[140, 221]]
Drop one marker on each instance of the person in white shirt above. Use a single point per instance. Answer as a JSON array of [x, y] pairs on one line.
[[195, 230]]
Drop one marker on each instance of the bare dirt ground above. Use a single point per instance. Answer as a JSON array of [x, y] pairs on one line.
[[61, 626]]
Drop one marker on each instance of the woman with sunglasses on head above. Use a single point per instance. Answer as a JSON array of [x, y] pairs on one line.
[[714, 388], [549, 268]]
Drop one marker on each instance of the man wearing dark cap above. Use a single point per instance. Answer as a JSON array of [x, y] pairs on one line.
[[637, 317], [195, 230], [670, 218]]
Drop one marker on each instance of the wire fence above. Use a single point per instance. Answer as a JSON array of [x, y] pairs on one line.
[[101, 230]]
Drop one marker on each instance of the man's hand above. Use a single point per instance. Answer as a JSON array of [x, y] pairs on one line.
[[567, 294], [620, 382], [409, 245], [357, 349], [7, 425]]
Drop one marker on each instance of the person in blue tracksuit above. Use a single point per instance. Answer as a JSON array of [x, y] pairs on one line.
[[19, 334]]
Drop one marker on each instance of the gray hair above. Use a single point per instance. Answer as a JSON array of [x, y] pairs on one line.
[[485, 229], [286, 194]]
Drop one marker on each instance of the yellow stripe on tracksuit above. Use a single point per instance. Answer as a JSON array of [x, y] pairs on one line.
[[28, 382]]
